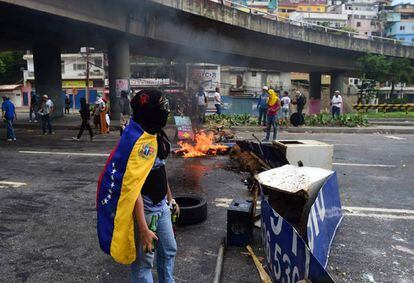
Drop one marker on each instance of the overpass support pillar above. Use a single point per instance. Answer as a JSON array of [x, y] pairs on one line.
[[48, 74], [337, 83], [315, 90], [119, 73]]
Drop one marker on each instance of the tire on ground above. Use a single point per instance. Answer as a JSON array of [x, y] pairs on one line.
[[193, 209]]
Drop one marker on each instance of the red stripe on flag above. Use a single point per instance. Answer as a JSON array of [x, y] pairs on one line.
[[103, 172]]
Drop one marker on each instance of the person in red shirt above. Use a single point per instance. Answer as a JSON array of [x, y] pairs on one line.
[[272, 110]]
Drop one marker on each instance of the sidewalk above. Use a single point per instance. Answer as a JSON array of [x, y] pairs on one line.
[[73, 122]]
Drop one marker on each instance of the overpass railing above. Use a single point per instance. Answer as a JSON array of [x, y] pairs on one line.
[[275, 17]]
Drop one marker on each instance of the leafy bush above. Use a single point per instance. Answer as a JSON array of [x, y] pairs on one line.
[[345, 120], [231, 120]]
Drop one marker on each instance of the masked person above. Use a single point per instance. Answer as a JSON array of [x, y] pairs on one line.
[[133, 188]]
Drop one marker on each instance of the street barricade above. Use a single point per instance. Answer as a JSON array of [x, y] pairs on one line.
[[299, 249]]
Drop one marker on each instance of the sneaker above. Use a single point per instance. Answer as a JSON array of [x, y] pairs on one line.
[[9, 139], [14, 139], [30, 121], [45, 134], [75, 139], [35, 121]]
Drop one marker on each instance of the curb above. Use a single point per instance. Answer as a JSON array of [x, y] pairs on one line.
[[368, 130]]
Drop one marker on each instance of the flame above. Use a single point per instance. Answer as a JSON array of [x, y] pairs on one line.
[[204, 146]]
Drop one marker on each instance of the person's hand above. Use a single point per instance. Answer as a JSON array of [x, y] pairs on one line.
[[146, 240], [175, 209]]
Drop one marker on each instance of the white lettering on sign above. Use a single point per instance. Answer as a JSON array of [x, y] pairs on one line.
[[278, 227]]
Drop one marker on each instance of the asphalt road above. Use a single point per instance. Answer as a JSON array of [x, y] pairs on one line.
[[48, 223]]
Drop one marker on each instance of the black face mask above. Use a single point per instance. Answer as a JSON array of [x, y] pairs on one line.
[[150, 110]]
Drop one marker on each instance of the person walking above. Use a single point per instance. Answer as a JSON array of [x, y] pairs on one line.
[[262, 105], [125, 112], [9, 115], [133, 192], [67, 104], [217, 101], [201, 105], [285, 102], [272, 110], [85, 114], [34, 107], [46, 111], [336, 103]]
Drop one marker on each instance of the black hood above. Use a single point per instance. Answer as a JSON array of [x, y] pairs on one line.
[[148, 111]]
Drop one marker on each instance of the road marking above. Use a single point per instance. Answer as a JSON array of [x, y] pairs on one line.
[[380, 213], [381, 216], [8, 184], [363, 165], [375, 209], [395, 138], [64, 153]]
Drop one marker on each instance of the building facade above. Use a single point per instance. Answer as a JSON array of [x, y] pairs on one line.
[[398, 21], [73, 66]]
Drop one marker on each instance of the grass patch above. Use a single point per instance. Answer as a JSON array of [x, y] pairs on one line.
[[397, 114]]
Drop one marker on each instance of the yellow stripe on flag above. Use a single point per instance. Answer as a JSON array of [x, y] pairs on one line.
[[138, 167]]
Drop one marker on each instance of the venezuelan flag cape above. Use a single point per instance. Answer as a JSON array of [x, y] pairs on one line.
[[119, 186]]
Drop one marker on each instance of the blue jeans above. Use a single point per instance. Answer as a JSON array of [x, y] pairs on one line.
[[46, 122], [336, 111], [10, 130], [262, 114], [166, 248], [271, 121], [218, 109]]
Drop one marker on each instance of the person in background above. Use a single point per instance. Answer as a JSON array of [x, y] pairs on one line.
[[272, 110], [285, 102], [125, 112], [67, 104], [85, 114], [46, 111], [97, 109], [336, 103], [201, 105], [300, 101], [34, 107], [9, 115], [105, 119], [217, 101], [262, 105]]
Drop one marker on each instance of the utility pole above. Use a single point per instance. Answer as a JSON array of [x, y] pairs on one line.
[[86, 51]]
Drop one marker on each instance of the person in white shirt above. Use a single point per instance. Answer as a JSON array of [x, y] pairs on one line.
[[285, 101], [46, 111], [201, 105], [336, 103], [217, 101]]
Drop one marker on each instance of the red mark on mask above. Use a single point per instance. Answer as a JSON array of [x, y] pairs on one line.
[[143, 99]]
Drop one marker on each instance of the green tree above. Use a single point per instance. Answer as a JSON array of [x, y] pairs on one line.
[[382, 69], [11, 63], [400, 71]]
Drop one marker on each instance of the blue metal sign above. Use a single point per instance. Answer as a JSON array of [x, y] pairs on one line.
[[324, 219], [288, 257]]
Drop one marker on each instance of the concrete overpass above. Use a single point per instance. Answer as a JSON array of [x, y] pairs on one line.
[[188, 30]]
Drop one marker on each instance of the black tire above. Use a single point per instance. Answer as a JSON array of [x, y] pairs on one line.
[[297, 119], [193, 209]]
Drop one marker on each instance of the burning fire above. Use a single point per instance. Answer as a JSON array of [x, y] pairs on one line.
[[204, 146]]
